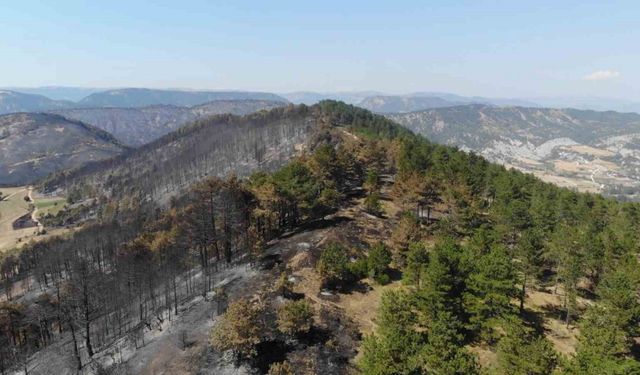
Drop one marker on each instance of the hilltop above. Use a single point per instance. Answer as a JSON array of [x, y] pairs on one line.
[[12, 101]]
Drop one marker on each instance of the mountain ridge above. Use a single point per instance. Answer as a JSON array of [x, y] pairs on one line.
[[12, 101], [215, 145], [142, 97], [138, 126]]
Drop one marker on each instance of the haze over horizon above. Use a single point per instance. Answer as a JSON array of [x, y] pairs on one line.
[[481, 48]]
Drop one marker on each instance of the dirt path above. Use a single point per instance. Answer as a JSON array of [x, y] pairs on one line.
[[34, 213]]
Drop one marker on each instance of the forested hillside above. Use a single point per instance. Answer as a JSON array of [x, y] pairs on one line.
[[474, 268], [214, 146], [139, 126]]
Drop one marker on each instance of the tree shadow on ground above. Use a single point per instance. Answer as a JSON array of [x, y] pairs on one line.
[[315, 336], [394, 274], [268, 353], [356, 286], [533, 320], [315, 225], [635, 350]]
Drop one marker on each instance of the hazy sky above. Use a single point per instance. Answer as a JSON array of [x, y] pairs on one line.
[[489, 48]]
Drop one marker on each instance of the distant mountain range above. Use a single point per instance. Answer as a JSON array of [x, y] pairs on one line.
[[134, 97], [14, 102], [427, 100], [11, 101], [592, 103], [583, 149], [391, 104], [34, 145], [595, 151], [56, 97], [418, 101], [138, 126], [67, 93], [384, 103]]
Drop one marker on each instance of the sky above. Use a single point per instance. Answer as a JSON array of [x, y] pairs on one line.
[[486, 48]]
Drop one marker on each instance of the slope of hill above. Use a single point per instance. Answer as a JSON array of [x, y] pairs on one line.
[[139, 97], [34, 145], [214, 146], [11, 101], [138, 126], [588, 150]]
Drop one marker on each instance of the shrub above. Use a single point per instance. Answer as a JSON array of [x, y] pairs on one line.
[[360, 268], [372, 204], [333, 266], [281, 368], [283, 285], [295, 318], [239, 330]]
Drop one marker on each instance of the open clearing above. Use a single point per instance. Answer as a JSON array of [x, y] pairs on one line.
[[14, 206], [49, 205], [11, 208]]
